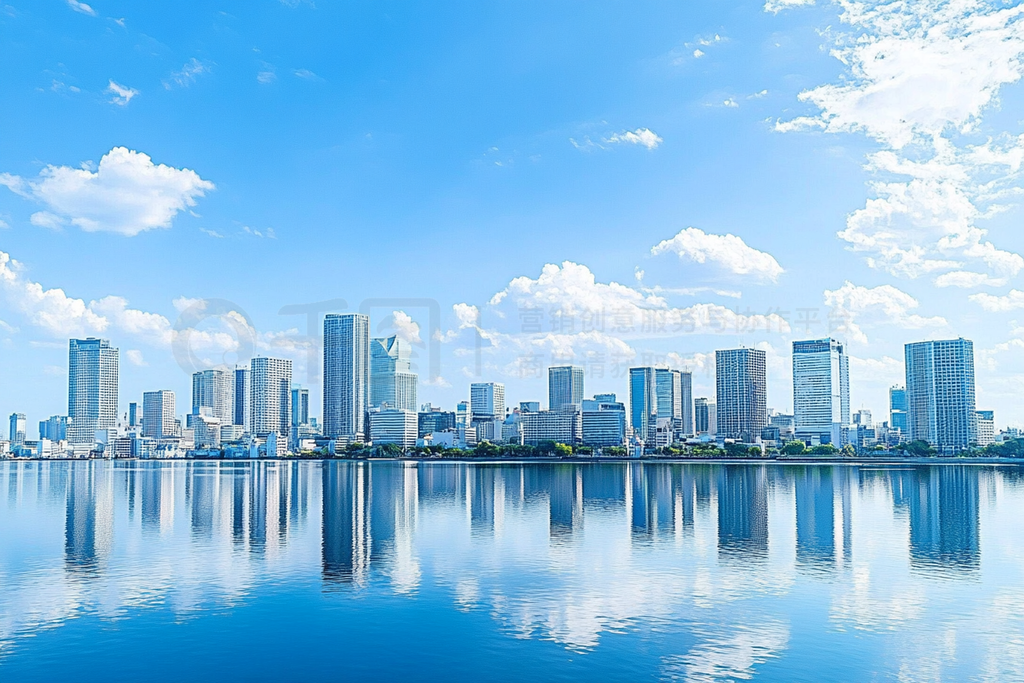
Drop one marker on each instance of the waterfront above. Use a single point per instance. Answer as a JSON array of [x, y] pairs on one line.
[[276, 570]]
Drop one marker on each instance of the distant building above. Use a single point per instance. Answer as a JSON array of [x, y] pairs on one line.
[[561, 426], [55, 428], [300, 406], [346, 394], [742, 394], [529, 406], [487, 400], [986, 427], [643, 403], [394, 426], [214, 390], [786, 424], [898, 418], [158, 408], [133, 414], [392, 382], [270, 396], [821, 390], [603, 422], [940, 393], [92, 388], [434, 420], [674, 399], [705, 417], [19, 425], [565, 386], [242, 413]]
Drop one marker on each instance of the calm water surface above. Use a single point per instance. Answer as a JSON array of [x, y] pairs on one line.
[[309, 571]]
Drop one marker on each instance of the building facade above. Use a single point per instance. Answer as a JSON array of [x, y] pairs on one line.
[[92, 388], [158, 408], [270, 396], [392, 382], [986, 427], [940, 394], [565, 386], [821, 390], [705, 417], [300, 406], [346, 381], [242, 413], [643, 403], [214, 390], [394, 426], [898, 418], [741, 394]]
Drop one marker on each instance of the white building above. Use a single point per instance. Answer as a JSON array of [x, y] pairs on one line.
[[92, 388], [741, 393], [346, 375], [158, 409], [561, 426], [394, 426], [270, 391], [392, 382], [986, 427], [214, 389], [565, 386], [821, 390]]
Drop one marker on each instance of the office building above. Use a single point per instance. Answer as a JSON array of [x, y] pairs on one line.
[[241, 405], [741, 394], [270, 382], [565, 385], [643, 403], [134, 416], [561, 426], [215, 391], [394, 426], [346, 375], [434, 420], [986, 427], [940, 394], [392, 382], [19, 425], [300, 406], [674, 391], [821, 390], [705, 417], [55, 428], [158, 409], [487, 401], [603, 422], [898, 418], [92, 388]]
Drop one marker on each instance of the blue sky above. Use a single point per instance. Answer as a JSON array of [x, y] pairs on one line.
[[717, 173]]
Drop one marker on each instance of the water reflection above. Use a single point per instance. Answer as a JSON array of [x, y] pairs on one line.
[[564, 552]]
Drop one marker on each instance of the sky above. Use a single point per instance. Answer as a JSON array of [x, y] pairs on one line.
[[508, 186]]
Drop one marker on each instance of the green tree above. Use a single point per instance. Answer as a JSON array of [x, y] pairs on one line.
[[563, 450], [919, 448], [794, 448]]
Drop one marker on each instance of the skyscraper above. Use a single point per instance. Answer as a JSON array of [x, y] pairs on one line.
[[54, 429], [705, 416], [487, 400], [392, 382], [643, 403], [92, 388], [898, 410], [214, 390], [346, 375], [742, 395], [242, 398], [271, 397], [674, 391], [300, 406], [565, 385], [940, 393], [821, 390], [158, 409], [19, 424]]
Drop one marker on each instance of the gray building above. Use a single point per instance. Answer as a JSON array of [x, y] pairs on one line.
[[603, 422], [300, 406], [674, 391], [565, 385], [392, 382], [821, 390], [158, 407], [898, 410], [19, 425], [487, 401], [741, 394], [940, 394], [92, 388], [214, 390], [643, 403], [561, 426], [705, 417], [270, 396], [54, 429], [242, 398], [346, 375]]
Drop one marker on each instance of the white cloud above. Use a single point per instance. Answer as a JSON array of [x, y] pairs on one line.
[[698, 53], [45, 219], [211, 233], [307, 75], [121, 94], [135, 357], [187, 74], [730, 103], [640, 136], [266, 77], [406, 328], [727, 251], [81, 7], [776, 6], [127, 194], [1012, 301], [967, 280], [853, 306]]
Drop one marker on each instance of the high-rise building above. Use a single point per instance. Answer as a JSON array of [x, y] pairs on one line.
[[705, 417], [603, 421], [54, 429], [215, 391], [133, 414], [346, 375], [92, 388], [742, 394], [986, 427], [158, 409], [300, 406], [271, 397], [898, 410], [674, 391], [940, 393], [821, 390], [487, 400], [392, 382], [19, 424], [643, 403], [565, 385], [242, 414]]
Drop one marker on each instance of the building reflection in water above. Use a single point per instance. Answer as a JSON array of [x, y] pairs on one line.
[[823, 513], [943, 506], [742, 512]]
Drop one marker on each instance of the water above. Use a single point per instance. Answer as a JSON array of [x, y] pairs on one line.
[[309, 571]]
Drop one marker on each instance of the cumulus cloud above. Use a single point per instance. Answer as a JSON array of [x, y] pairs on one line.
[[121, 94], [967, 280], [136, 358], [81, 7], [1012, 301], [127, 194], [853, 306], [406, 328], [916, 75], [728, 251], [776, 6], [640, 136]]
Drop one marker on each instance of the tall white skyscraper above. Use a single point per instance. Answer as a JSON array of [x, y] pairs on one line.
[[392, 381], [270, 384], [821, 389], [19, 424], [940, 393], [487, 400], [241, 395], [565, 385], [92, 388], [742, 394], [346, 375], [158, 408], [214, 390]]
